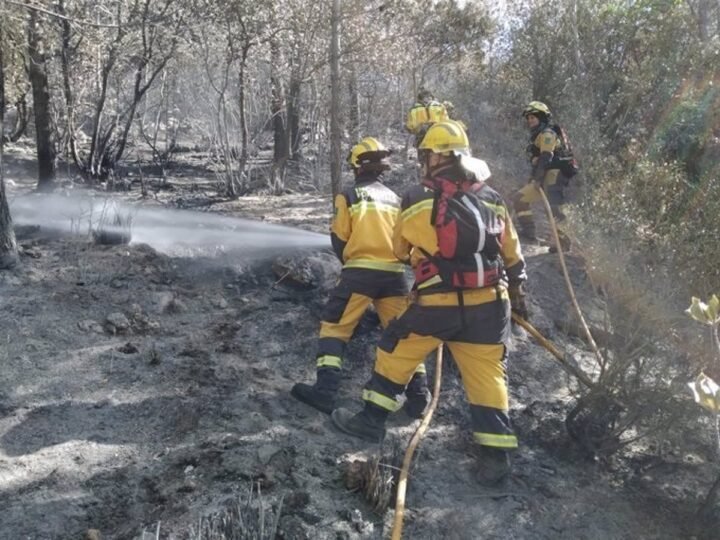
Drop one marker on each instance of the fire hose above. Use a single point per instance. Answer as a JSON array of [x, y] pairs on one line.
[[566, 275], [407, 460]]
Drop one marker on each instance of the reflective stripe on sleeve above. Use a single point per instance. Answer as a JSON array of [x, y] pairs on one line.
[[416, 208]]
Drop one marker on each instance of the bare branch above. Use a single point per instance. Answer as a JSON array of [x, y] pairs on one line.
[[58, 15]]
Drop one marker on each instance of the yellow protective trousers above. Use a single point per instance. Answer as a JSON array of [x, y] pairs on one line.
[[524, 197], [476, 334], [355, 291]]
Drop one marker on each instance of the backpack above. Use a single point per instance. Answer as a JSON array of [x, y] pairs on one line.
[[563, 158], [469, 235]]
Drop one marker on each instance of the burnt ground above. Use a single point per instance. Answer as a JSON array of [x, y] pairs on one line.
[[142, 392]]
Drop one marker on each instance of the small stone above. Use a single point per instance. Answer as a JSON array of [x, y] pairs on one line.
[[163, 300], [154, 356], [93, 534], [118, 323], [297, 499], [176, 306], [31, 252], [152, 325], [189, 469], [188, 486], [88, 325], [221, 303], [128, 348]]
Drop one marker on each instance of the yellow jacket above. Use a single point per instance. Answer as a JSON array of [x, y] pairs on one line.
[[544, 144], [414, 230], [421, 114], [363, 224]]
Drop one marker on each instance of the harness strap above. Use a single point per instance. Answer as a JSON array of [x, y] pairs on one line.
[[461, 303]]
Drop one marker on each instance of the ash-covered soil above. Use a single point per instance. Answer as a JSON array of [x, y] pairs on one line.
[[141, 392]]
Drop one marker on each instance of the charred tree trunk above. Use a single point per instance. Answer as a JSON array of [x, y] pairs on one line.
[[701, 11], [41, 107], [244, 151], [139, 91], [2, 81], [293, 113], [335, 150], [94, 162], [280, 139], [21, 120], [67, 87], [105, 62], [579, 62], [281, 148], [8, 247], [354, 109]]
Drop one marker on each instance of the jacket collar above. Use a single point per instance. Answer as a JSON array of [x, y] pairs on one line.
[[367, 178], [539, 129]]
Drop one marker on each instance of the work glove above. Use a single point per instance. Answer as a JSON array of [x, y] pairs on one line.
[[517, 300]]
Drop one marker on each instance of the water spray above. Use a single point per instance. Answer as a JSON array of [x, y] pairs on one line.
[[170, 231]]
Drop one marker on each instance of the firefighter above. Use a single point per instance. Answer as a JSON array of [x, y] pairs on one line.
[[361, 236], [544, 145], [425, 112], [474, 323]]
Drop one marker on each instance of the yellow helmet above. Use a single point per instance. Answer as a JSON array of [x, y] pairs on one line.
[[537, 108], [367, 150], [446, 137]]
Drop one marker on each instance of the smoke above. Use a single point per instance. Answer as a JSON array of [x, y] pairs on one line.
[[174, 232]]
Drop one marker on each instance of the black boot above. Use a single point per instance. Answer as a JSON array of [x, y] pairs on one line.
[[493, 466], [418, 396], [320, 395], [368, 424]]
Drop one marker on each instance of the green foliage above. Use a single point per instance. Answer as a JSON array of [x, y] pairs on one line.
[[705, 313], [685, 132], [706, 390]]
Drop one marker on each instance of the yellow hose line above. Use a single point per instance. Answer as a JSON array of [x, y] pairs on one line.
[[407, 460], [572, 370], [556, 237]]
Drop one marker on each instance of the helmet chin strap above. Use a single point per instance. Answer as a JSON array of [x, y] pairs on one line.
[[444, 164]]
